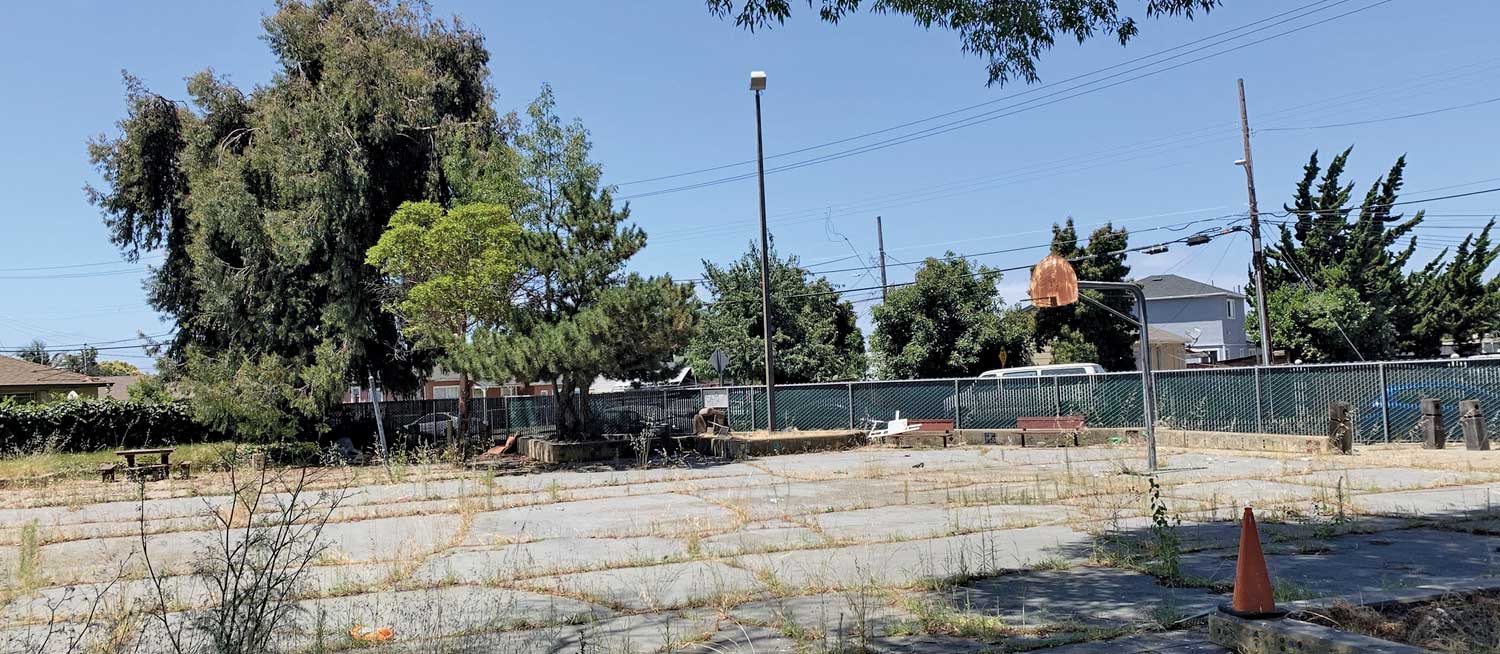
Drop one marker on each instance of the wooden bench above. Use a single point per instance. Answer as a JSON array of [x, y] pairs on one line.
[[107, 471], [1049, 431], [184, 469]]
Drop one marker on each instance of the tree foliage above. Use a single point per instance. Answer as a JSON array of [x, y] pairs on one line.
[[1451, 299], [115, 368], [1338, 279], [816, 337], [35, 352], [1071, 327], [578, 314], [1012, 35], [447, 271], [264, 202], [951, 322]]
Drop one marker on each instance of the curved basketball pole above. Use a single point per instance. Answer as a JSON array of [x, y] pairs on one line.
[[1148, 384]]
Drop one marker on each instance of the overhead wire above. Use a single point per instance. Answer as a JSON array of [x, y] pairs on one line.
[[1019, 108], [960, 110]]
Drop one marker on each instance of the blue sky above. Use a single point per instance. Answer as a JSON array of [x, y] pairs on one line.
[[662, 86]]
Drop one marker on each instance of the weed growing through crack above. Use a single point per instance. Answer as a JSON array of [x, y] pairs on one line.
[[1164, 529], [29, 558]]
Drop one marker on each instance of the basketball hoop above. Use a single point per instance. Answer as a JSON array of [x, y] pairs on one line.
[[1053, 282]]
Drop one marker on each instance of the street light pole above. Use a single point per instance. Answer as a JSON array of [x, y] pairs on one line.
[[1257, 253], [758, 84]]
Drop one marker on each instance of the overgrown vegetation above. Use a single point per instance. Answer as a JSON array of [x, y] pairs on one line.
[[86, 426]]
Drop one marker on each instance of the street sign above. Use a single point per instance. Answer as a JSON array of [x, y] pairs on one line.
[[719, 361]]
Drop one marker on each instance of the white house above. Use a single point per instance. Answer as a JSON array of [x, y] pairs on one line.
[[1212, 319]]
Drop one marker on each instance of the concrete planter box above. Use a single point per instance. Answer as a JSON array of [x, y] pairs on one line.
[[733, 447], [548, 451], [1289, 635]]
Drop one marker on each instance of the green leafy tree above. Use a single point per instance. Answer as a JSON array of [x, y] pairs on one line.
[[1102, 259], [265, 202], [1073, 347], [447, 272], [35, 352], [951, 322], [1011, 34], [816, 335], [115, 368], [578, 314], [1336, 279]]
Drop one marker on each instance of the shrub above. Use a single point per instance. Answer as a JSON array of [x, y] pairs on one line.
[[82, 426]]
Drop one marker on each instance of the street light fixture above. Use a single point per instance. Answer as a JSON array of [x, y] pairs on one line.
[[758, 84]]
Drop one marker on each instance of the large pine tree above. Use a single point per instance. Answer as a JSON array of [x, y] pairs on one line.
[[264, 202], [578, 314]]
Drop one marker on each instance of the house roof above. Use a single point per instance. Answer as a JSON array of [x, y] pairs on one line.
[[119, 385], [16, 372], [1160, 287]]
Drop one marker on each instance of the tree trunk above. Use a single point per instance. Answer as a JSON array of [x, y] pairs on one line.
[[463, 404], [571, 402]]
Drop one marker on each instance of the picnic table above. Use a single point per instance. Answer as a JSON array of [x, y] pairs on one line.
[[159, 470]]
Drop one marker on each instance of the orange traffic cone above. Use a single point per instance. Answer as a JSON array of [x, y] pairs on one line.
[[1253, 597]]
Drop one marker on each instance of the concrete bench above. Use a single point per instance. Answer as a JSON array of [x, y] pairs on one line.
[[1049, 431], [184, 469], [1049, 423]]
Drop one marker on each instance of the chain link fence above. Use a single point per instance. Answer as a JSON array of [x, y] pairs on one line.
[[1384, 398]]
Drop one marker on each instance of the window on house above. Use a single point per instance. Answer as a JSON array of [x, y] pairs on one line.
[[354, 393], [19, 398], [444, 392], [1229, 308]]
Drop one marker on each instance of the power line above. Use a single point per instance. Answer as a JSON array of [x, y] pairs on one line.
[[1071, 164], [1339, 211], [1018, 108], [68, 266], [986, 103], [74, 346], [992, 271], [1382, 120], [81, 275]]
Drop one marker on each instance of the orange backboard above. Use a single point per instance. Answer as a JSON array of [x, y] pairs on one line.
[[1053, 282]]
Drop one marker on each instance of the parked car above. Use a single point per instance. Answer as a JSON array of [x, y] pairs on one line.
[[620, 420], [434, 425], [1054, 370], [1405, 408]]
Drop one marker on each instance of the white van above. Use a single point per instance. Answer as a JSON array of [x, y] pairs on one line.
[[1033, 372]]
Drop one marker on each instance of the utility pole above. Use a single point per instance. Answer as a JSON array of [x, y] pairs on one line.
[[1257, 253], [880, 238], [758, 84]]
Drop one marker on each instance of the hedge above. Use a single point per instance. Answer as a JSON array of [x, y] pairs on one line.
[[86, 426]]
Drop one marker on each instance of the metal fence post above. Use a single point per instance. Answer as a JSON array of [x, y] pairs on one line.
[[1385, 401], [751, 393], [956, 412], [1056, 397], [850, 403], [1260, 422]]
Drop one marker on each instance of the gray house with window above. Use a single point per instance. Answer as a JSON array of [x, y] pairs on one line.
[[1212, 319]]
